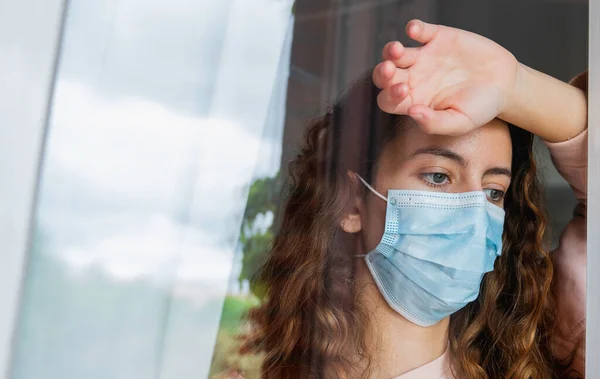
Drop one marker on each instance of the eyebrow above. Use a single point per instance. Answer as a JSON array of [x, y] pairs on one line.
[[449, 154], [440, 152], [498, 171]]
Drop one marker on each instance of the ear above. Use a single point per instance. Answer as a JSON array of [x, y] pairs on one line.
[[352, 223]]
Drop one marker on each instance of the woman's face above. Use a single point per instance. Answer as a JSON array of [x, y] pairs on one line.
[[478, 161]]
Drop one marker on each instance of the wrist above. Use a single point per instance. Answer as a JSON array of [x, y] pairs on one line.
[[547, 107], [515, 94]]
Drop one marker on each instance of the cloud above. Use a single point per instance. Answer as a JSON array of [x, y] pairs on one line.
[[157, 248], [142, 148], [123, 175]]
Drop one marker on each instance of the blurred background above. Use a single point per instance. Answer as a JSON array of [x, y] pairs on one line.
[[171, 127]]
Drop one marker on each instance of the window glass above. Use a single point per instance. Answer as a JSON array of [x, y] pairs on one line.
[[171, 132]]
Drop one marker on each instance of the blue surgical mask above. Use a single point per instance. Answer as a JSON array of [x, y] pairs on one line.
[[435, 249]]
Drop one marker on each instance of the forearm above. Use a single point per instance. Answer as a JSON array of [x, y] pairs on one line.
[[549, 108]]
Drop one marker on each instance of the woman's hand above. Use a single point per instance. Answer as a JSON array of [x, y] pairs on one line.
[[455, 82]]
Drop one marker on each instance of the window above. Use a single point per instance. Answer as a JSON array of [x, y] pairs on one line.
[[167, 133]]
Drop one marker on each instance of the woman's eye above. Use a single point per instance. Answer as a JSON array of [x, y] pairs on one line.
[[436, 178], [494, 194]]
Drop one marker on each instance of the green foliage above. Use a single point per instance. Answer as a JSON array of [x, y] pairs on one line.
[[263, 197], [235, 310], [255, 254], [256, 240]]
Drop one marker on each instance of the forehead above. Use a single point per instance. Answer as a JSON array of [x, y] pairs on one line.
[[489, 145]]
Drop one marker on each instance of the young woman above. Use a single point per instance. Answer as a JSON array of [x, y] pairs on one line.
[[411, 244]]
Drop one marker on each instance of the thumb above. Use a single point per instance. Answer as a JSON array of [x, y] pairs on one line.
[[444, 122]]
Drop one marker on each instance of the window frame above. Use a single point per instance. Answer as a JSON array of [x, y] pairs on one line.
[[592, 361]]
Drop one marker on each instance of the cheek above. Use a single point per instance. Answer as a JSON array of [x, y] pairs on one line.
[[374, 225]]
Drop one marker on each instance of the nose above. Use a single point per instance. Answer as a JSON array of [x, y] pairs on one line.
[[471, 184]]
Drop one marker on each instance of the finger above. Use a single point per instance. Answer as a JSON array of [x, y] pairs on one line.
[[390, 103], [407, 59], [445, 122], [398, 92], [383, 74], [421, 31], [402, 57], [392, 50], [386, 74]]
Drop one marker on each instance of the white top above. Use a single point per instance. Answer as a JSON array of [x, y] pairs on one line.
[[436, 369]]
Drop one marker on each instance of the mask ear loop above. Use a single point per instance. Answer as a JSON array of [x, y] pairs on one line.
[[371, 188], [376, 194]]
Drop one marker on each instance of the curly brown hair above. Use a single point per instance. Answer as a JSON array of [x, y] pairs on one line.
[[311, 320]]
